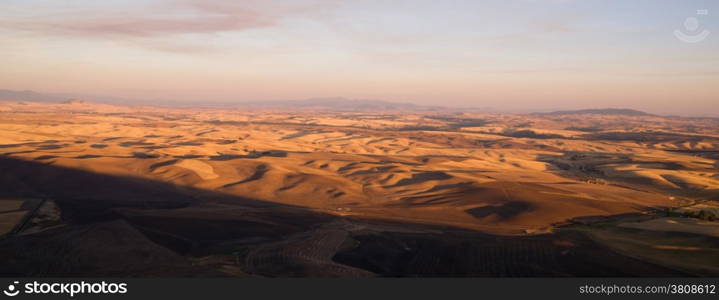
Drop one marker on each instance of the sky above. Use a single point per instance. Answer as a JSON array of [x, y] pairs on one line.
[[501, 54]]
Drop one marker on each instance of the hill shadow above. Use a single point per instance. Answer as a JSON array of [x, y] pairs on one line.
[[104, 215], [128, 226]]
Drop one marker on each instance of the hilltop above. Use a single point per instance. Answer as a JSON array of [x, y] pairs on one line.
[[604, 111]]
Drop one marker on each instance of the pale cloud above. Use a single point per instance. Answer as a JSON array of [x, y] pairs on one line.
[[129, 25], [153, 26]]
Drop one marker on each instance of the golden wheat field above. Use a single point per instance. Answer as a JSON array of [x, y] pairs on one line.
[[272, 192]]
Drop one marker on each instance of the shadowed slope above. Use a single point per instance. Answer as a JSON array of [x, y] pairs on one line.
[[119, 226]]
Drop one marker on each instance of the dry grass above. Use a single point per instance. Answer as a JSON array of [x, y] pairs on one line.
[[385, 165]]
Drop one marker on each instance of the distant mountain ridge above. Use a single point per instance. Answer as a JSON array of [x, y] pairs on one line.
[[73, 101], [340, 104], [336, 103], [29, 96], [327, 104], [604, 111]]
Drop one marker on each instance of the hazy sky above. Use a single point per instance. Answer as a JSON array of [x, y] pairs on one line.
[[508, 54]]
